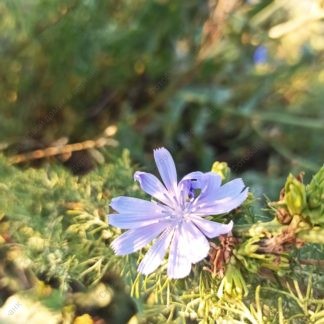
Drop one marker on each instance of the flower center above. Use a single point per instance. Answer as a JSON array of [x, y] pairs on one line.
[[178, 216], [180, 209]]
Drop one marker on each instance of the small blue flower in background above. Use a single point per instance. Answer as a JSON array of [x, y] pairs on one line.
[[260, 55], [175, 216]]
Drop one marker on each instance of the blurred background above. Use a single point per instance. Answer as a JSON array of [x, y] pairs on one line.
[[228, 80]]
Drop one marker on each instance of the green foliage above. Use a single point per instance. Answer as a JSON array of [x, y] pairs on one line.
[[53, 226], [57, 222], [63, 218], [187, 75]]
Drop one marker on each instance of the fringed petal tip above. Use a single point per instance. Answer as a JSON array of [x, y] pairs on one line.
[[212, 229], [162, 148], [114, 247], [229, 226], [136, 176], [244, 194]]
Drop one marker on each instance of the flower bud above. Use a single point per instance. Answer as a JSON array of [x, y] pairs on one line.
[[295, 195], [222, 169], [315, 198], [233, 283]]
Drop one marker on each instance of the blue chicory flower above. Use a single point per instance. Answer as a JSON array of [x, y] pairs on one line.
[[175, 216], [260, 55]]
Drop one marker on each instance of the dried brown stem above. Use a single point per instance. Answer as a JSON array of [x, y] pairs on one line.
[[58, 150]]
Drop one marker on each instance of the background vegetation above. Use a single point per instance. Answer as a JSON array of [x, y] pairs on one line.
[[234, 81]]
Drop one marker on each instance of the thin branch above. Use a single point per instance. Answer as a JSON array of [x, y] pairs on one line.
[[58, 150]]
